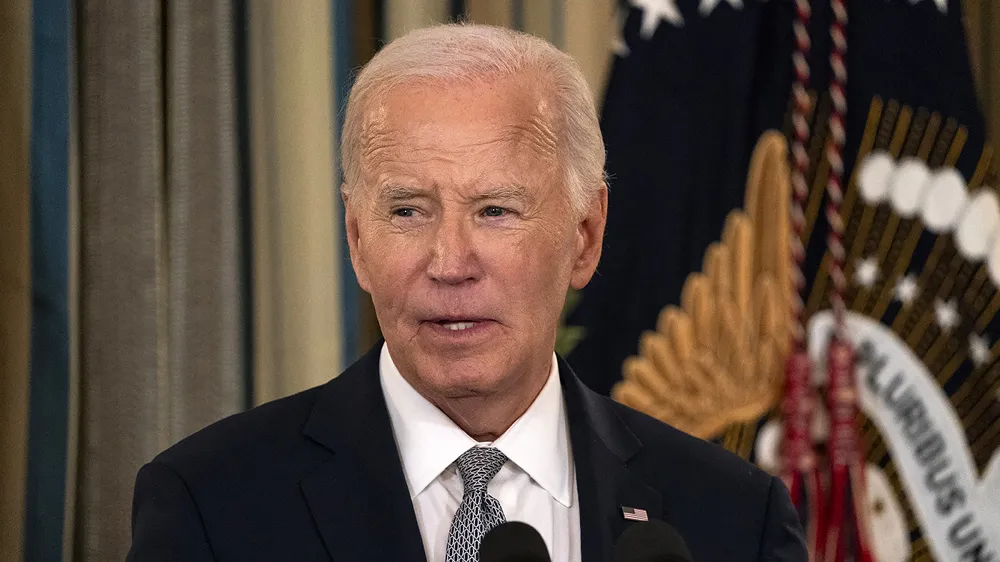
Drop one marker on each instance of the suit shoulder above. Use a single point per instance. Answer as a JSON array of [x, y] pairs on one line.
[[702, 460], [267, 429]]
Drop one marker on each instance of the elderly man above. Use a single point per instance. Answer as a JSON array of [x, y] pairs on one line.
[[475, 198]]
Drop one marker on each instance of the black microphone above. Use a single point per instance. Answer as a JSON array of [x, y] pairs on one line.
[[652, 541], [513, 541]]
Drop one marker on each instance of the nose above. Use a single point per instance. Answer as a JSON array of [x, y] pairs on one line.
[[453, 258]]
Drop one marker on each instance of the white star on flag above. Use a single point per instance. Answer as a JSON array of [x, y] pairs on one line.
[[946, 313], [866, 272], [707, 6], [979, 350], [906, 289], [655, 10], [941, 4]]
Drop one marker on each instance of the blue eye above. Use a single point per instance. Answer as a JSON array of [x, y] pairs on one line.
[[494, 211], [405, 212]]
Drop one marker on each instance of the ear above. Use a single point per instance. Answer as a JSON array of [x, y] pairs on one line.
[[354, 239], [590, 239]]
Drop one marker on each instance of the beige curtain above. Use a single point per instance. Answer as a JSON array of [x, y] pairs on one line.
[[161, 352], [402, 16], [582, 28], [297, 312], [589, 28], [492, 12], [15, 267]]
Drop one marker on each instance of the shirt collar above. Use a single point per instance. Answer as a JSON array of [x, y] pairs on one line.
[[429, 441]]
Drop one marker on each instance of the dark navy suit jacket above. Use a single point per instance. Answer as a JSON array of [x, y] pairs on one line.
[[317, 476]]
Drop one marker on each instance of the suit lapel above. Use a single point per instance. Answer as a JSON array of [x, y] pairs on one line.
[[602, 446], [359, 498], [360, 501]]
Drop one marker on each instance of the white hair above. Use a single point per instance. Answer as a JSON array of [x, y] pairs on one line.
[[470, 54]]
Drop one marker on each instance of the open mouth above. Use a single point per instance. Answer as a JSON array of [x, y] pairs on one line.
[[459, 330], [457, 326]]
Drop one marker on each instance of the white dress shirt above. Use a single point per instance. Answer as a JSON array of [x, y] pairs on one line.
[[537, 485]]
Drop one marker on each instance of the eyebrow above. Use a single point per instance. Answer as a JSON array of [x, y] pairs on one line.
[[399, 193], [504, 192], [394, 193]]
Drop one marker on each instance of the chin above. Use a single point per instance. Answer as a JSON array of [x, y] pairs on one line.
[[464, 377]]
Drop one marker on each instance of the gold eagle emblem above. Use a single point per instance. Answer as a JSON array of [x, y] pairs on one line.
[[718, 358]]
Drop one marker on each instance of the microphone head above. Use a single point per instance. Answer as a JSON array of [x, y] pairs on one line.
[[513, 541], [652, 541]]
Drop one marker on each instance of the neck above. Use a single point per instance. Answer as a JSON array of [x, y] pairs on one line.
[[485, 417]]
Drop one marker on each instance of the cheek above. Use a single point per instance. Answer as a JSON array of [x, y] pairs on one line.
[[391, 261], [534, 269]]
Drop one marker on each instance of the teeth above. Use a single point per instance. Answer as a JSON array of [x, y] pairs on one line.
[[455, 326]]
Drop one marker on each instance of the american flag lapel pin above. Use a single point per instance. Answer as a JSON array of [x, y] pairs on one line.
[[634, 514]]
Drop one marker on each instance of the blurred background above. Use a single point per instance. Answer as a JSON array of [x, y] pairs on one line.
[[171, 236]]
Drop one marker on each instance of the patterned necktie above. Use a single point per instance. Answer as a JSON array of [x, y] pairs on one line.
[[479, 512]]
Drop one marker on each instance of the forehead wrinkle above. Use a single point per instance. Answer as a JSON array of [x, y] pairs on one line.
[[388, 149], [537, 133], [534, 130], [379, 148], [540, 139], [423, 141], [375, 136], [373, 122]]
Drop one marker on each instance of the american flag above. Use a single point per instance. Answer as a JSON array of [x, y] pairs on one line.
[[633, 514]]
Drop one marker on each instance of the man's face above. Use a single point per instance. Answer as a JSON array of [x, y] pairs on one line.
[[463, 233]]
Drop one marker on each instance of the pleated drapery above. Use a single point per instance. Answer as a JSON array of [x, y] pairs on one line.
[[583, 28], [15, 269], [296, 251], [160, 288]]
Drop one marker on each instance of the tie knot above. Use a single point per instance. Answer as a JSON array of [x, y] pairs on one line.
[[478, 466]]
